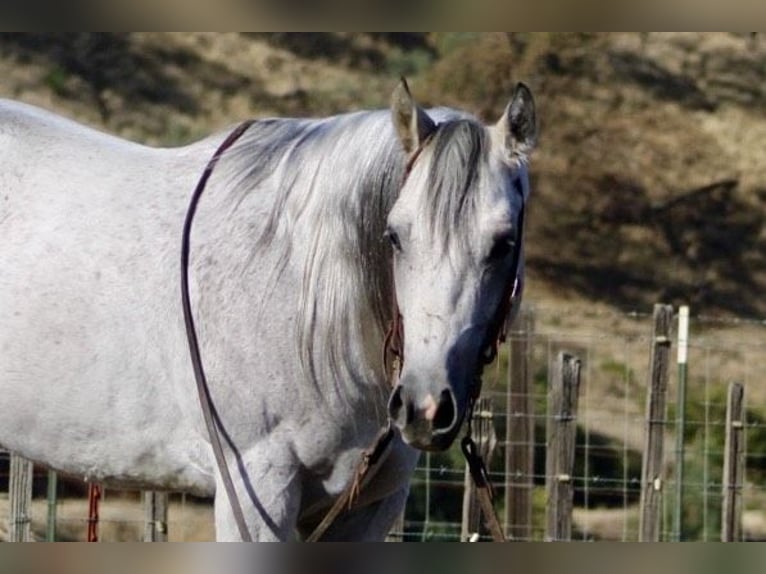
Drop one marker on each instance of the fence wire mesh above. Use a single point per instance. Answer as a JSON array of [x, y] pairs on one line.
[[614, 350]]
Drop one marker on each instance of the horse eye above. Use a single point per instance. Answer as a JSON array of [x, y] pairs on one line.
[[393, 238], [501, 248]]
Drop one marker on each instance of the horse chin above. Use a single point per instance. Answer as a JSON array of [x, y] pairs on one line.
[[423, 438]]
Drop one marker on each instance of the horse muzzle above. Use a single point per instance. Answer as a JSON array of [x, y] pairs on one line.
[[426, 421]]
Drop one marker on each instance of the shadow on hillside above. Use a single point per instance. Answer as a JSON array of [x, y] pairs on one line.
[[702, 247], [708, 78], [101, 61], [343, 48], [110, 61], [660, 82]]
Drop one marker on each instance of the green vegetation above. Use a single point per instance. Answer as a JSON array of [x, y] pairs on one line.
[[704, 437], [56, 80]]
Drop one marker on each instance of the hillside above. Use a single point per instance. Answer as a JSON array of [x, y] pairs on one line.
[[650, 179]]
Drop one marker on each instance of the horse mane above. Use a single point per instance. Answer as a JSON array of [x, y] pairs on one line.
[[335, 181], [459, 149]]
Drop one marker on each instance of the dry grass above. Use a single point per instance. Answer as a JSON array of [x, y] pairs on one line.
[[121, 519]]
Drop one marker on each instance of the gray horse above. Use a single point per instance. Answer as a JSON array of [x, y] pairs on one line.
[[307, 232]]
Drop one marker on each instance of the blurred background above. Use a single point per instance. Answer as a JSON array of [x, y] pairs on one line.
[[649, 185]]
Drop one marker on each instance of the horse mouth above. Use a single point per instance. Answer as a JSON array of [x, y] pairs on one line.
[[427, 421], [422, 435]]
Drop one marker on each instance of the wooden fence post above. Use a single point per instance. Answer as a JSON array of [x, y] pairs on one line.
[[155, 516], [520, 429], [560, 447], [652, 466], [50, 530], [733, 465], [20, 500], [486, 441]]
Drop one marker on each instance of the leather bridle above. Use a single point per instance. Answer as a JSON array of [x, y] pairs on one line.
[[393, 342], [393, 346], [212, 421]]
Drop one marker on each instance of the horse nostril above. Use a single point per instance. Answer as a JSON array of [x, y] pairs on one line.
[[395, 404], [446, 412]]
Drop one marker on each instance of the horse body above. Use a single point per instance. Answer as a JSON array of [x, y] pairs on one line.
[[91, 359], [291, 283]]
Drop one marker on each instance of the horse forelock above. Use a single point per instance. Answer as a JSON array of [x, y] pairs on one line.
[[459, 152]]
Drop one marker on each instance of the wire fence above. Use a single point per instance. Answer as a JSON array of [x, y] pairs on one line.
[[611, 426], [611, 422], [122, 515]]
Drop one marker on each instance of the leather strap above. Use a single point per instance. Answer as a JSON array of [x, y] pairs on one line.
[[484, 491], [212, 420], [372, 458]]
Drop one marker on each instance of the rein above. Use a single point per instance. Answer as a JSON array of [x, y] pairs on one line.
[[393, 346], [212, 420], [371, 457]]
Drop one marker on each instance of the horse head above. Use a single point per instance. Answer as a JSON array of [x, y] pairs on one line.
[[456, 235]]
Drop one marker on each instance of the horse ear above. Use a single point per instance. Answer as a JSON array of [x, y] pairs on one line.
[[412, 123], [518, 125]]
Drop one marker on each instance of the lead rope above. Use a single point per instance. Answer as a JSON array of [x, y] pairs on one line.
[[211, 417], [485, 493], [371, 457]]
